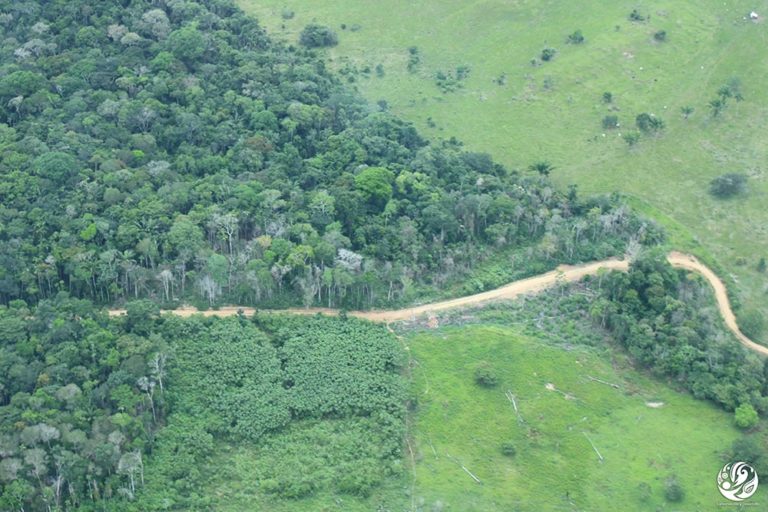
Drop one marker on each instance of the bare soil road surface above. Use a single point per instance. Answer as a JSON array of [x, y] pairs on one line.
[[563, 273]]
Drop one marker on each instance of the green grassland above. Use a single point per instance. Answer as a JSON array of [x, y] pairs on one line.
[[553, 111], [555, 467]]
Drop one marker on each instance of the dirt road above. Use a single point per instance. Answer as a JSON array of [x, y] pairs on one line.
[[563, 273], [688, 262]]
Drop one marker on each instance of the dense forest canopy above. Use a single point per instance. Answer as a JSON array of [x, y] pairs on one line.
[[171, 150]]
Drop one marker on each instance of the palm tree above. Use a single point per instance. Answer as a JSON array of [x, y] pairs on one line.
[[542, 167]]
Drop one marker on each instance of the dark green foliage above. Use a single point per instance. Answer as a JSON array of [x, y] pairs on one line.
[[81, 401], [686, 111], [749, 449], [548, 54], [508, 449], [728, 185], [576, 38], [648, 123], [414, 58], [660, 36], [318, 393], [636, 16], [542, 167], [717, 106], [318, 36], [673, 491], [631, 138], [179, 155], [607, 97], [485, 375], [752, 323], [610, 122], [761, 265], [450, 81], [667, 322]]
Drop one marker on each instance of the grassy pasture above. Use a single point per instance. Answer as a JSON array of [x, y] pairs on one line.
[[553, 111], [555, 467]]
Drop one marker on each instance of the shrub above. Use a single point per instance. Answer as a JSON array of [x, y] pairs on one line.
[[728, 185], [672, 490], [610, 122], [508, 449], [413, 58], [636, 16], [576, 38], [607, 97], [745, 416], [485, 375], [631, 138], [660, 36], [548, 54], [649, 123], [318, 36]]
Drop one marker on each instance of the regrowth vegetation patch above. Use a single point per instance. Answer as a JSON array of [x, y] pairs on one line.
[[285, 387]]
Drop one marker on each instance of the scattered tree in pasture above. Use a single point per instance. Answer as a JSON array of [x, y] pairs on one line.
[[485, 375], [728, 185], [548, 54], [673, 491], [631, 138], [542, 167], [414, 58], [636, 17], [649, 123], [610, 122], [717, 106], [575, 38], [508, 449]]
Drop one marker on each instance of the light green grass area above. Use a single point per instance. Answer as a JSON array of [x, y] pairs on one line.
[[555, 467], [553, 111]]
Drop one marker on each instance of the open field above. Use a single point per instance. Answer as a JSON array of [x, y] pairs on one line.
[[555, 467], [553, 111]]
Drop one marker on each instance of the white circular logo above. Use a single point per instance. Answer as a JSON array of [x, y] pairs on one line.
[[737, 481]]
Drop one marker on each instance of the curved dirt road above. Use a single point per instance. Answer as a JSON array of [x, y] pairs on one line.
[[688, 262], [563, 273]]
